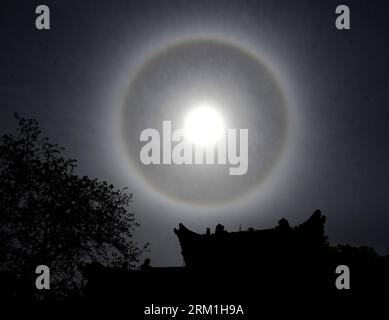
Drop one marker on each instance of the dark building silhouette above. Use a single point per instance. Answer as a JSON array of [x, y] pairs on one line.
[[253, 248], [282, 262]]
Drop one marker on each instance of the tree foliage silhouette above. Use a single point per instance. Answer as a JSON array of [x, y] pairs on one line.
[[50, 215]]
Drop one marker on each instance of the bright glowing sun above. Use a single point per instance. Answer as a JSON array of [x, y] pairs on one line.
[[203, 126]]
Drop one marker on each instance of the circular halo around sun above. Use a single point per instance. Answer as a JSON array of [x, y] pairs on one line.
[[205, 86], [203, 125]]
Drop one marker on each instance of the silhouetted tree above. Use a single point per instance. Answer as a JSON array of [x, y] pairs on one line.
[[50, 215]]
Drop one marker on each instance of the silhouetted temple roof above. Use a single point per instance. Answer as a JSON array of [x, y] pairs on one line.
[[214, 248], [316, 220]]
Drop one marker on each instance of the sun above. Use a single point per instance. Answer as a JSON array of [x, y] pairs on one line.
[[204, 125]]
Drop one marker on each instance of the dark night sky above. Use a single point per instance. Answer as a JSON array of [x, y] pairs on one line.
[[73, 77]]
